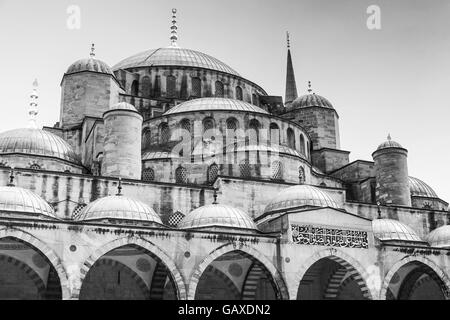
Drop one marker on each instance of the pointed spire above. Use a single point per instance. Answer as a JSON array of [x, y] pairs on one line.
[[11, 178], [33, 109], [119, 187], [92, 54], [291, 86], [174, 29]]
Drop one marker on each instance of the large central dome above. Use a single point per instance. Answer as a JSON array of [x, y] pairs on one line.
[[174, 56]]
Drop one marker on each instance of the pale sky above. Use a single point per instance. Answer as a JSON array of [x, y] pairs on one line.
[[395, 80]]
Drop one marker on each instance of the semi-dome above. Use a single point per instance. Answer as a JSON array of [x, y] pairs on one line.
[[119, 207], [214, 104], [311, 100], [388, 229], [89, 64], [174, 57], [440, 237], [217, 215], [419, 188], [19, 200], [37, 142], [301, 195]]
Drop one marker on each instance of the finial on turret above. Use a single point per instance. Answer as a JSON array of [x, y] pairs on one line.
[[288, 40], [174, 28], [11, 178], [119, 187], [92, 54], [379, 210], [33, 109], [215, 196], [309, 87], [389, 137]]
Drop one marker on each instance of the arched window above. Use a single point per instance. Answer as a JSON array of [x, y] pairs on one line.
[[232, 124], [146, 138], [301, 175], [35, 166], [208, 124], [219, 89], [148, 174], [175, 218], [185, 124], [196, 87], [253, 133], [164, 133], [239, 95], [277, 170], [213, 172], [146, 86], [302, 145], [171, 86], [157, 88], [290, 138], [323, 184], [255, 99], [77, 210], [274, 134], [181, 175], [135, 88], [245, 168]]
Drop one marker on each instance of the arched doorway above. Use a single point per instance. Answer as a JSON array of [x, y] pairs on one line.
[[416, 281], [236, 275], [26, 273], [332, 278], [129, 272]]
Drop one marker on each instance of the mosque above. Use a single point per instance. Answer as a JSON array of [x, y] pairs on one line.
[[171, 176]]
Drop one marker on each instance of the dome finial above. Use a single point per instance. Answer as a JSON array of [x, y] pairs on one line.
[[309, 87], [288, 40], [119, 188], [33, 110], [174, 28], [92, 54], [389, 137], [379, 210], [215, 196], [11, 178]]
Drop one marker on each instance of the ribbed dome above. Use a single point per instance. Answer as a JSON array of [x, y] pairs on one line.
[[21, 200], [388, 229], [421, 189], [89, 64], [214, 104], [300, 195], [36, 142], [217, 215], [440, 237], [311, 100], [174, 56], [119, 208], [389, 143]]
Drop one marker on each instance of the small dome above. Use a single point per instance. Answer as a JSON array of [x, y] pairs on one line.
[[174, 56], [389, 143], [388, 229], [311, 100], [301, 195], [214, 104], [440, 237], [89, 64], [123, 106], [36, 142], [217, 215], [19, 200], [119, 207], [419, 188]]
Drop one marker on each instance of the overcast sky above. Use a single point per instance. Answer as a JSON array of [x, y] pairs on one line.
[[395, 80]]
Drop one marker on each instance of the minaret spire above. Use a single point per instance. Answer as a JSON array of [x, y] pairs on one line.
[[291, 86], [33, 109], [174, 29]]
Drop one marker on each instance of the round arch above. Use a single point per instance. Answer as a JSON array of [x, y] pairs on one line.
[[51, 256], [439, 272], [227, 248], [148, 246], [359, 273]]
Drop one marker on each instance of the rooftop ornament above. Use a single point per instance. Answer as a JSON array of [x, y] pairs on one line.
[[174, 28], [119, 187], [11, 178], [92, 54], [33, 109]]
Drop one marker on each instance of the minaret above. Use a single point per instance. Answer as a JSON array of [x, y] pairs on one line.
[[174, 29], [33, 110], [291, 87]]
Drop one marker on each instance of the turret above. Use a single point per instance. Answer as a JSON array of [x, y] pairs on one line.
[[88, 88], [391, 168], [122, 146]]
